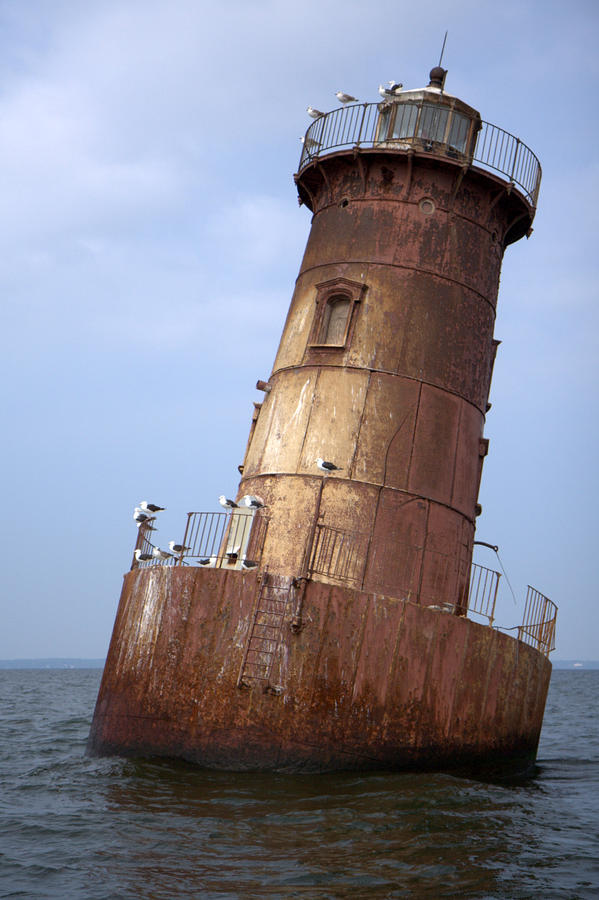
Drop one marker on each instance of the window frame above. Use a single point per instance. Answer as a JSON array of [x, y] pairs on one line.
[[327, 293]]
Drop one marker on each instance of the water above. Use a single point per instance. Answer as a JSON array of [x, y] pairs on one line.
[[71, 827]]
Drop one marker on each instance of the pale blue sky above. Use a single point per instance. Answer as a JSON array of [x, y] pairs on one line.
[[149, 241]]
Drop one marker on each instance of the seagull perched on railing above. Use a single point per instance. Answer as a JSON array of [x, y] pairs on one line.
[[157, 553], [327, 466], [178, 548], [151, 507], [252, 501], [345, 98], [314, 113], [248, 564], [142, 557], [142, 517], [310, 144], [228, 504]]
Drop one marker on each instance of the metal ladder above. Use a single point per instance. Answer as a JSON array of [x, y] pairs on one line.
[[266, 630]]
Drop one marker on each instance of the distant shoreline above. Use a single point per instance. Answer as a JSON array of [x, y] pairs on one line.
[[52, 663], [576, 665]]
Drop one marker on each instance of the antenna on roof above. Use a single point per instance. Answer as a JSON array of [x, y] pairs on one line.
[[443, 47]]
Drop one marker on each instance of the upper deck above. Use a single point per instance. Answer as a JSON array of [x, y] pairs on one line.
[[426, 121]]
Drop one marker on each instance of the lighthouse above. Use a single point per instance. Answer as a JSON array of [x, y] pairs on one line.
[[385, 361], [330, 616]]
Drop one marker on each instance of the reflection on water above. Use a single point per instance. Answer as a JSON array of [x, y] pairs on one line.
[[75, 827]]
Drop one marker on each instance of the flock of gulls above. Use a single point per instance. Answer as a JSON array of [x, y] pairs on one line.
[[145, 514], [387, 93], [394, 90]]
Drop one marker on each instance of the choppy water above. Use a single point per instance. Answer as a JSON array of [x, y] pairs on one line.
[[72, 827]]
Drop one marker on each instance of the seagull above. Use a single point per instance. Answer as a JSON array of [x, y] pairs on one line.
[[248, 564], [150, 507], [345, 98], [140, 516], [252, 501], [314, 113], [157, 553], [392, 91], [178, 548], [310, 144], [206, 562], [228, 504], [142, 557], [327, 466]]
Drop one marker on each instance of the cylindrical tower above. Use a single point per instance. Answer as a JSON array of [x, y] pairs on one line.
[[386, 357], [333, 629]]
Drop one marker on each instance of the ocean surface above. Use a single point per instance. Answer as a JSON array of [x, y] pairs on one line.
[[73, 827]]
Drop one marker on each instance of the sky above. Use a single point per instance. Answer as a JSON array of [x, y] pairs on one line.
[[150, 237]]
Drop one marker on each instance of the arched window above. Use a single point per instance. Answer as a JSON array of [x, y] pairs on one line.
[[334, 315], [334, 322]]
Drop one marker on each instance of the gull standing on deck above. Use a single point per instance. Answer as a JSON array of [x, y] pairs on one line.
[[310, 144], [178, 548], [327, 466], [142, 557], [157, 553], [252, 501]]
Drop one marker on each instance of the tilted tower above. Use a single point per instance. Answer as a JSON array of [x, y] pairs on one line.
[[337, 611]]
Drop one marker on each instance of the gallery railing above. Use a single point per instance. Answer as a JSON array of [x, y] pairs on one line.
[[236, 540], [538, 628], [338, 554], [365, 125], [212, 540], [482, 593]]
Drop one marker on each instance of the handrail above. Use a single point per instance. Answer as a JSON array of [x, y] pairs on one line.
[[538, 628], [213, 540], [338, 554], [482, 594], [232, 539], [359, 125]]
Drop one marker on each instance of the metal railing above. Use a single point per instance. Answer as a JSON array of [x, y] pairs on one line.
[[497, 149], [213, 540], [338, 554], [235, 539], [538, 628], [146, 548], [364, 125], [482, 592]]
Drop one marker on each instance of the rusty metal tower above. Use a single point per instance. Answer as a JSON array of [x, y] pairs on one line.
[[386, 357], [331, 620]]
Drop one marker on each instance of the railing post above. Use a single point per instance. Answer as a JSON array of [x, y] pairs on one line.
[[516, 149], [359, 139], [309, 546], [184, 542]]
